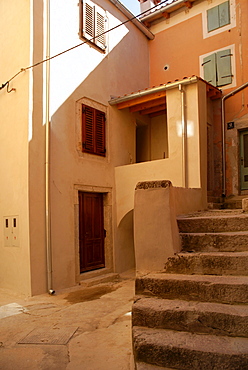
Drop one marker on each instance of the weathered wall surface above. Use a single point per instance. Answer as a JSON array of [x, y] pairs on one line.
[[87, 76], [183, 58], [172, 168], [15, 110]]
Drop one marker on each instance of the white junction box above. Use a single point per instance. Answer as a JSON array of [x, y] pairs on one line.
[[11, 231]]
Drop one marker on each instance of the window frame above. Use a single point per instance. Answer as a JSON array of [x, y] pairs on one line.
[[92, 22], [232, 17], [217, 9], [93, 129], [233, 66]]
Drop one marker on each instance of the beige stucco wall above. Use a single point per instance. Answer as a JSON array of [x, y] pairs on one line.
[[156, 234], [75, 80], [14, 132], [171, 168], [82, 75]]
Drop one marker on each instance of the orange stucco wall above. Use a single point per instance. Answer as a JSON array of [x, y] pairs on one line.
[[179, 46], [179, 43]]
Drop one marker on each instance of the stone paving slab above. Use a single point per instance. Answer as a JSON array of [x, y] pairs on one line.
[[101, 342]]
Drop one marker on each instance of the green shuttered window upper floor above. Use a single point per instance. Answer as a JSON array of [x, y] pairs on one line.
[[218, 16], [217, 68]]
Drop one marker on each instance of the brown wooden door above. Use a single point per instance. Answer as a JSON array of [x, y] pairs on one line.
[[91, 231]]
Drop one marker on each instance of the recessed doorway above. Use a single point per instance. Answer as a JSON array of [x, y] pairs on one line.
[[244, 159], [91, 231]]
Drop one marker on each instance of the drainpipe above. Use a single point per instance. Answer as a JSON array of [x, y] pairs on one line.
[[224, 132], [47, 144], [184, 138]]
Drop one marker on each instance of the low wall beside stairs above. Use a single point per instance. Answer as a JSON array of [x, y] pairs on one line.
[[156, 235]]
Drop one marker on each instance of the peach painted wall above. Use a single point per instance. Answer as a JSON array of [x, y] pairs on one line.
[[181, 42]]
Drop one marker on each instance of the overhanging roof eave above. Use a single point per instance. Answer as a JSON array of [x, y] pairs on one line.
[[152, 90]]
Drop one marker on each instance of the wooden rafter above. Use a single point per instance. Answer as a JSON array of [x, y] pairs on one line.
[[166, 15], [141, 99], [213, 93], [146, 105], [158, 108], [159, 113], [188, 4]]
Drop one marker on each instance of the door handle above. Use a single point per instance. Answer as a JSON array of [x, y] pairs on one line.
[[242, 161]]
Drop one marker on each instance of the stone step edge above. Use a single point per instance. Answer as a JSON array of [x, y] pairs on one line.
[[219, 233], [198, 317], [170, 348], [204, 288], [208, 263]]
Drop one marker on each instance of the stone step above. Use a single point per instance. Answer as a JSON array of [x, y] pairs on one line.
[[210, 242], [209, 263], [203, 288], [195, 317], [223, 222], [188, 351], [144, 366], [213, 199], [233, 204]]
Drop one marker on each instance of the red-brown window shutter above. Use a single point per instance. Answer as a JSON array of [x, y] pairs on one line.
[[93, 131], [100, 132]]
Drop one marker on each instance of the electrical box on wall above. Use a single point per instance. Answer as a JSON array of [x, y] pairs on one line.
[[11, 231]]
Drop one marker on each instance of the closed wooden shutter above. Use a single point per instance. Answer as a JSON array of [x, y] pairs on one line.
[[88, 129], [209, 69], [100, 133], [224, 14], [218, 16], [93, 131], [213, 18], [224, 68]]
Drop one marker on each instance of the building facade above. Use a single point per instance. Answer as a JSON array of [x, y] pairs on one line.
[[81, 126], [61, 141], [207, 39]]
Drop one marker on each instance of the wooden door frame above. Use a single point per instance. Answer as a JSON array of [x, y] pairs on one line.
[[241, 133], [107, 210]]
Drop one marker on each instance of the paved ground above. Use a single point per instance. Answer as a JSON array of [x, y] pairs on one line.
[[76, 329]]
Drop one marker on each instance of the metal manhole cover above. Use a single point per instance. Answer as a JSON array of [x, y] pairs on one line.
[[49, 336]]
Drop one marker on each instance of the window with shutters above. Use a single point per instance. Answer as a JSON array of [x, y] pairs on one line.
[[217, 68], [92, 24], [93, 131], [218, 16]]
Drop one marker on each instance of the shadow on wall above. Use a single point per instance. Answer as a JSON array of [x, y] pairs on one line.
[[125, 257]]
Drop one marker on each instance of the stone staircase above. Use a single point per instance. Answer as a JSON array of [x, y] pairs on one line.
[[194, 314]]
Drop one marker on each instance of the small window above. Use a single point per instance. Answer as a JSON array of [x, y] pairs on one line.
[[218, 16], [92, 24], [217, 68], [93, 131]]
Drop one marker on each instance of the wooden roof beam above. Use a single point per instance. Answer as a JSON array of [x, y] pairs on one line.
[[188, 4], [149, 104], [156, 109], [166, 15], [141, 99], [159, 113]]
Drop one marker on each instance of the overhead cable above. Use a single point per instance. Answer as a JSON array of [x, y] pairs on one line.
[[76, 46]]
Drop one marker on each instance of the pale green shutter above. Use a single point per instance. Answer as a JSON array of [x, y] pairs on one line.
[[224, 68], [209, 68], [224, 14], [213, 18], [218, 16]]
